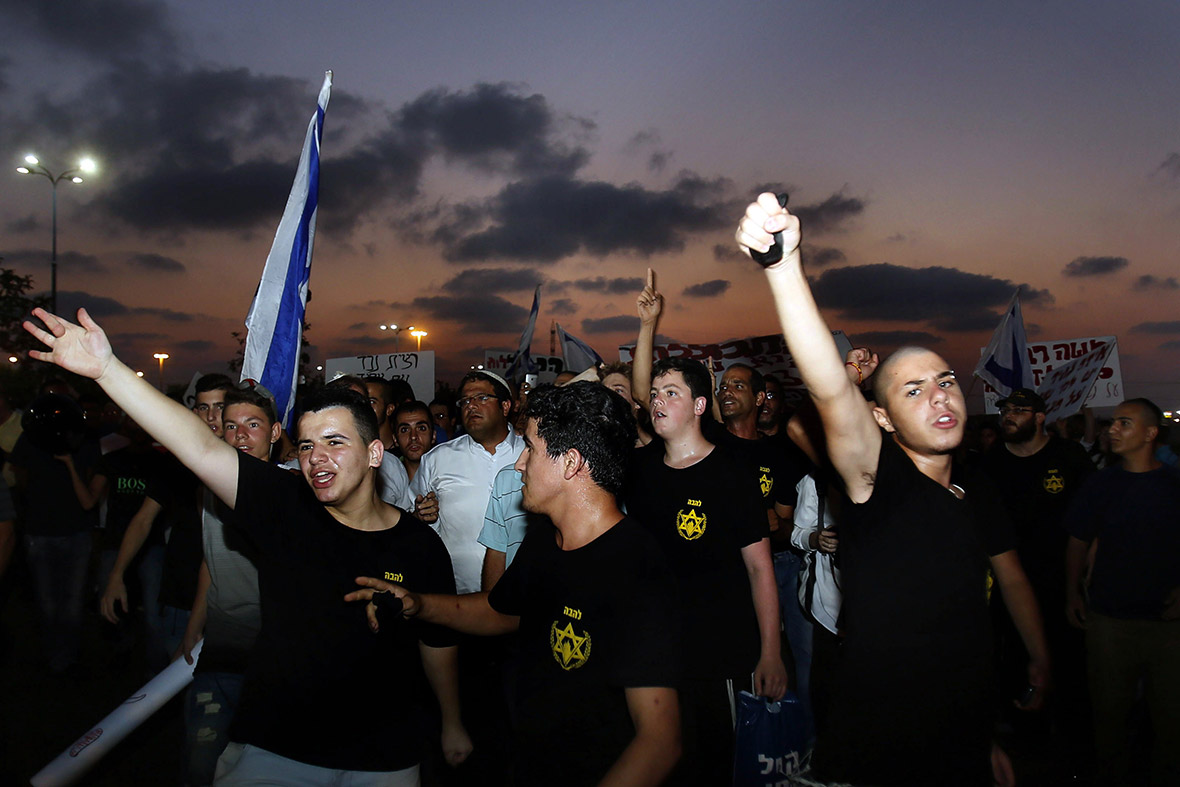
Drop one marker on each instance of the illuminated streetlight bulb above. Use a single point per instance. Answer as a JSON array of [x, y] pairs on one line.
[[13, 359], [138, 373], [87, 165], [23, 170], [76, 179], [31, 159]]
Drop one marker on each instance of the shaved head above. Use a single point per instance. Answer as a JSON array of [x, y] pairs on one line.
[[887, 368]]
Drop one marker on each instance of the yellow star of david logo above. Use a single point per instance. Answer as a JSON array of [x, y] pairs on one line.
[[690, 526], [569, 649], [1054, 483], [766, 482]]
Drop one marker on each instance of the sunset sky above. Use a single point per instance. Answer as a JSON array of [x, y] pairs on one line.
[[939, 155]]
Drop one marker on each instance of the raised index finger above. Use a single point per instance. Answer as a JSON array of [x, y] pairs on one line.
[[651, 279]]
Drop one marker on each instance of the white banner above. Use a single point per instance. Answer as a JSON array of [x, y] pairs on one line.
[[548, 366], [1044, 357], [767, 354], [416, 368], [1065, 388]]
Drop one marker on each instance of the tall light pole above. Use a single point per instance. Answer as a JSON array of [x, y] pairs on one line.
[[397, 334], [161, 357], [418, 335], [35, 167]]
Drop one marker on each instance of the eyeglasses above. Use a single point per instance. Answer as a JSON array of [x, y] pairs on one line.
[[1006, 410], [479, 399]]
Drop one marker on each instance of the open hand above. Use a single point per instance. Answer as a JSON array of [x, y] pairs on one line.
[[82, 349]]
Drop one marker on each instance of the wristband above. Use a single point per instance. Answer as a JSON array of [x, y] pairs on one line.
[[859, 374]]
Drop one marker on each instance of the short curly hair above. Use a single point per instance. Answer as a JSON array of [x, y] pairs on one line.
[[591, 419]]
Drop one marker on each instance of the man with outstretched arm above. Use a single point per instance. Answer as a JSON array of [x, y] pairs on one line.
[[912, 698], [593, 600], [321, 703]]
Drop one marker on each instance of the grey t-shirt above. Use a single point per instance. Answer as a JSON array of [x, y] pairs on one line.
[[234, 612]]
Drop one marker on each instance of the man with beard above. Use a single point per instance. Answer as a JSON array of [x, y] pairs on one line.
[[911, 702], [1037, 476]]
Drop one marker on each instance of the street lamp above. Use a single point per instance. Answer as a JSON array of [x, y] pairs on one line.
[[397, 334], [35, 167], [418, 334], [161, 357]]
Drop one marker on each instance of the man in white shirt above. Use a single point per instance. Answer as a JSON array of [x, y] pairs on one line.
[[460, 472]]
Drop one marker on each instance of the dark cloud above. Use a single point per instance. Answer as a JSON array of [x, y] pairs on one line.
[[1157, 327], [1172, 345], [728, 252], [897, 237], [66, 261], [482, 313], [621, 323], [359, 326], [893, 339], [819, 256], [952, 299], [97, 306], [1170, 166], [195, 345], [156, 262], [493, 128], [28, 223], [1094, 266], [616, 286], [475, 281], [650, 143], [543, 220], [707, 289], [105, 30], [563, 306], [163, 314], [131, 337], [830, 215], [1149, 282]]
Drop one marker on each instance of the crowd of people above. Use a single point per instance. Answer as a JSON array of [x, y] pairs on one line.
[[571, 583]]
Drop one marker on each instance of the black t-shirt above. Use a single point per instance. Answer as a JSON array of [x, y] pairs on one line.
[[128, 471], [911, 699], [765, 460], [51, 506], [321, 688], [178, 492], [1134, 517], [594, 621], [1036, 491], [702, 517]]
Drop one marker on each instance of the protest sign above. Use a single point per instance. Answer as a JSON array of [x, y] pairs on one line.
[[548, 366], [767, 354], [1044, 357], [1064, 389], [416, 368]]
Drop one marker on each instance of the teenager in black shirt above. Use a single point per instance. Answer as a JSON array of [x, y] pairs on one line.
[[323, 697], [911, 704]]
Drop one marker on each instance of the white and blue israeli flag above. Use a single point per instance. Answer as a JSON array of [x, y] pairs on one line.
[[275, 321], [578, 355], [523, 363], [1004, 364]]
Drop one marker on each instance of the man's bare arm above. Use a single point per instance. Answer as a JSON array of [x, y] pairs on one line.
[[469, 613], [133, 538], [1026, 615], [654, 750], [494, 565], [649, 304], [84, 350], [851, 434], [770, 674], [441, 666], [1076, 552]]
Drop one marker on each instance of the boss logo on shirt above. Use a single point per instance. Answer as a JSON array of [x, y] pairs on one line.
[[766, 481], [132, 485], [690, 524], [394, 576], [1054, 482], [570, 649]]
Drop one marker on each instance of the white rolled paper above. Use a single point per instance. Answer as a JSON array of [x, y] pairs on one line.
[[69, 766]]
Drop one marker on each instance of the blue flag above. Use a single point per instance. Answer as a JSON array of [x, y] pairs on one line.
[[578, 355], [275, 321], [1004, 364], [523, 364]]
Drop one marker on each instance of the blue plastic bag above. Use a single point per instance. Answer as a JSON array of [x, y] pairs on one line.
[[770, 744]]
